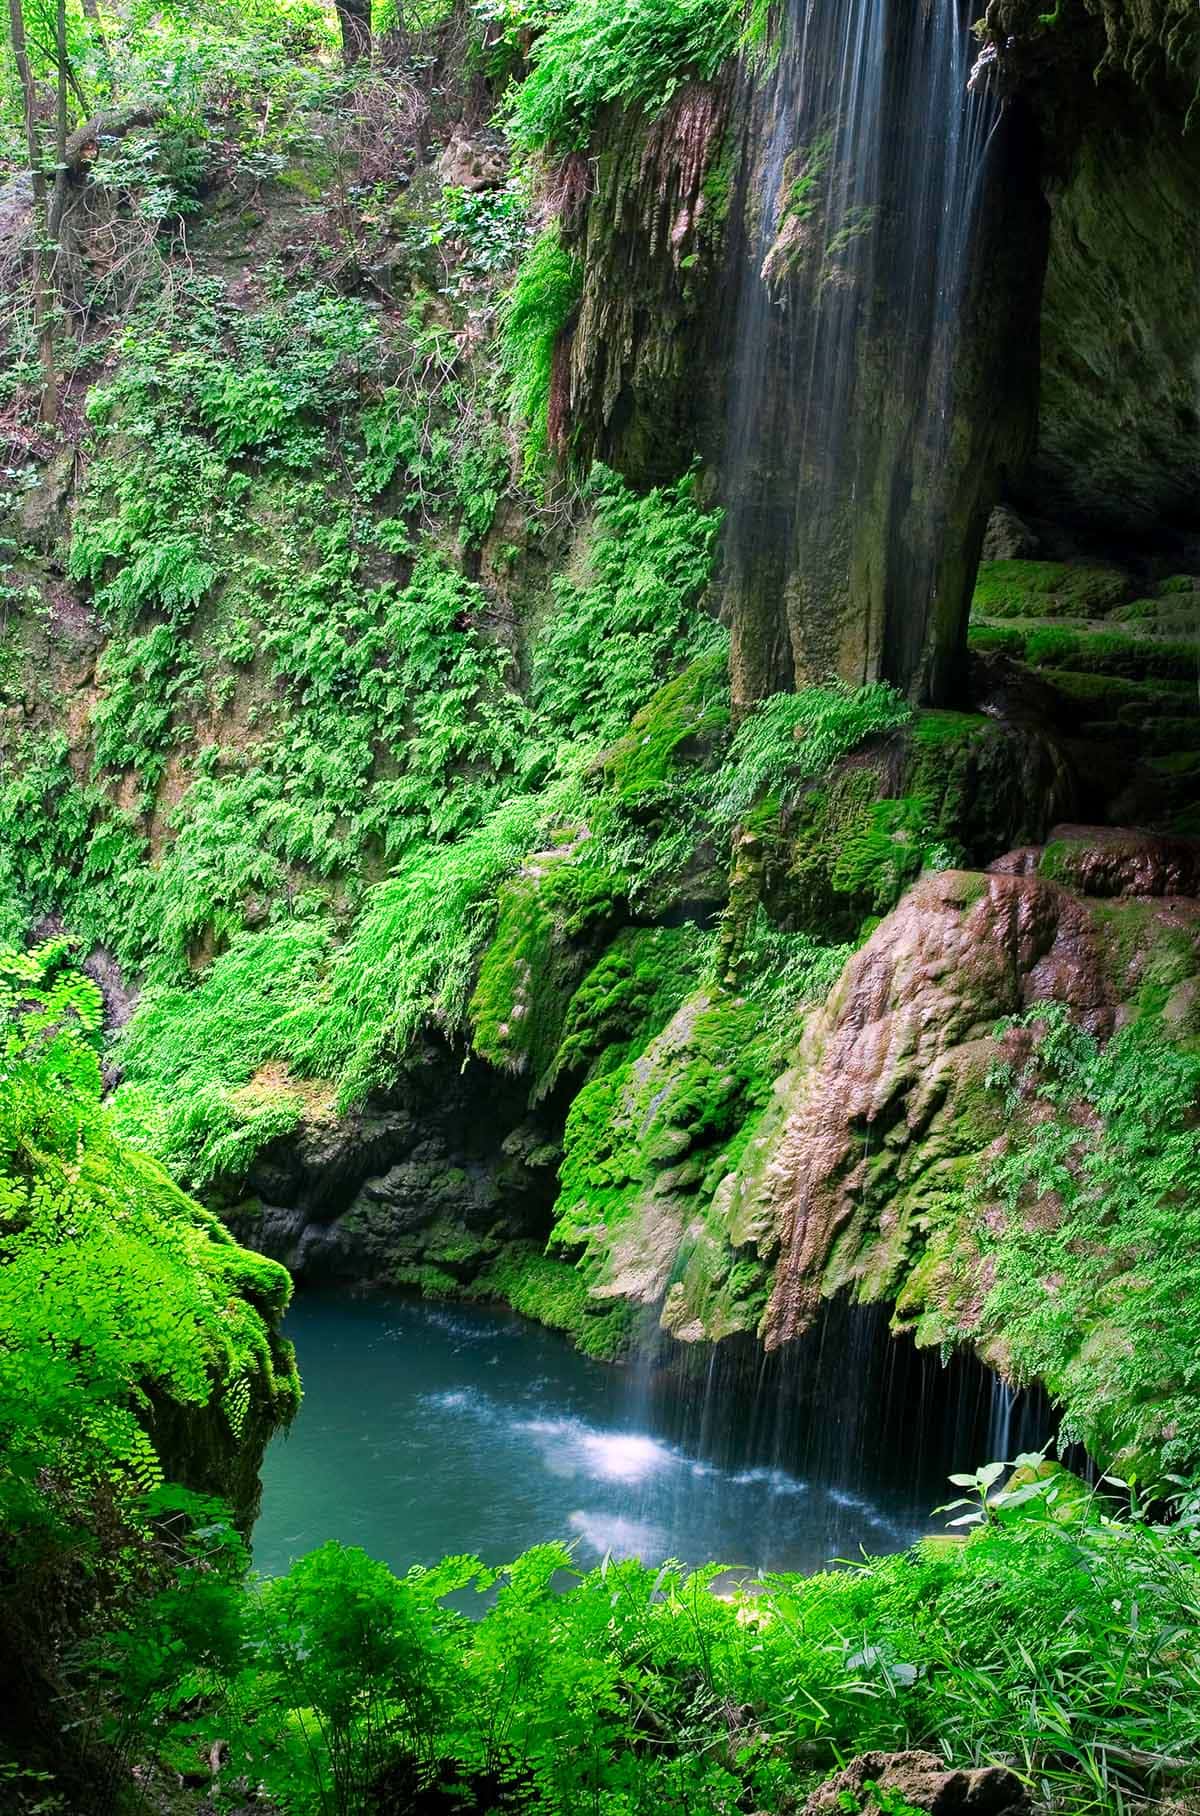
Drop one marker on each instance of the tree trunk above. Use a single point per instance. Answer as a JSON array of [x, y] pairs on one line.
[[354, 18], [60, 127], [43, 312]]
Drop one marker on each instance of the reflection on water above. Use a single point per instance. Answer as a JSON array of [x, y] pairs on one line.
[[426, 1431]]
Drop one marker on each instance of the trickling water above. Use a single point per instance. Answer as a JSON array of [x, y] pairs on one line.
[[861, 178], [428, 1430]]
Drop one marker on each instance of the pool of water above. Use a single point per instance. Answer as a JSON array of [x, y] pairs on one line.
[[428, 1430]]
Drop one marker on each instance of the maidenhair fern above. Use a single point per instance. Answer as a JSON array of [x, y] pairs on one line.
[[787, 739], [544, 295], [1099, 1247], [638, 54]]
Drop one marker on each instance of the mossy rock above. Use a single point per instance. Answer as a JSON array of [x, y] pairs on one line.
[[647, 1144], [1102, 694], [555, 1293], [1043, 1489], [996, 640], [550, 920], [629, 994], [684, 722], [948, 789], [1110, 653], [1047, 589]]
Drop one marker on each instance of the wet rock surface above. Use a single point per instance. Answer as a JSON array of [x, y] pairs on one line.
[[439, 1171], [884, 1106], [1110, 861]]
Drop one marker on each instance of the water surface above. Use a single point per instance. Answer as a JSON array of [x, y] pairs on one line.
[[428, 1430]]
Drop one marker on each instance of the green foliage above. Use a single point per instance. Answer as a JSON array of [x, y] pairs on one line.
[[555, 1293], [1017, 1647], [210, 387], [114, 1287], [637, 609], [64, 847], [628, 995], [1039, 589], [790, 738], [543, 299], [671, 1117], [637, 54], [547, 918], [1099, 1247], [887, 852], [478, 783], [190, 1056]]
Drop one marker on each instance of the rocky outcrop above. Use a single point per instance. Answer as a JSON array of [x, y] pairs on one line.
[[639, 380], [724, 314], [876, 1782], [1112, 84], [1110, 861], [885, 1109], [1118, 422], [419, 1186], [693, 1188]]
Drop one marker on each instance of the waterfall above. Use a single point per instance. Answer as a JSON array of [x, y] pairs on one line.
[[862, 177], [1000, 1423]]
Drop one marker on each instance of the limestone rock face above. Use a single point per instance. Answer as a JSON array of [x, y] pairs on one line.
[[884, 1110], [1111, 83], [921, 1779], [1075, 376], [436, 1173], [1119, 422], [1110, 861], [639, 380]]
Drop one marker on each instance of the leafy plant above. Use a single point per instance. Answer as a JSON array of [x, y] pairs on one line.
[[637, 54], [545, 294], [1087, 1297]]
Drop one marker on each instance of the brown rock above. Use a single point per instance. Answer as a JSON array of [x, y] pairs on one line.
[[472, 165], [883, 1102], [1110, 861], [922, 1780]]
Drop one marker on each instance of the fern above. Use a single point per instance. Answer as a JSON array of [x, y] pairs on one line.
[[788, 739]]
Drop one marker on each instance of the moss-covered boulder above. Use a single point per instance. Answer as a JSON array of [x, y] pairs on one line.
[[948, 788]]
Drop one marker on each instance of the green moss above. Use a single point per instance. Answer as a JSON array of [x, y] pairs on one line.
[[1138, 611], [853, 849], [431, 1282], [629, 994], [1177, 763], [683, 718], [1109, 653], [883, 855], [648, 1144], [555, 1294], [996, 639], [548, 917], [933, 730], [1102, 692], [1046, 589]]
